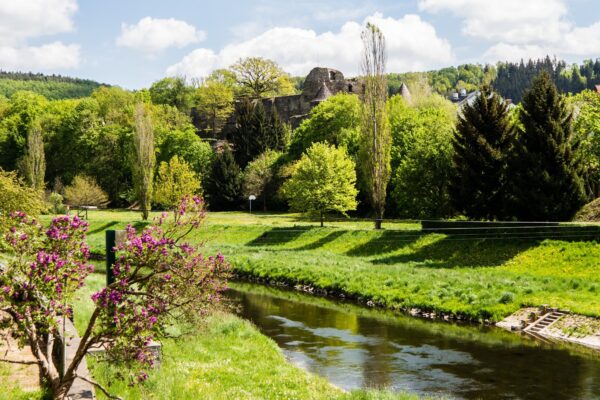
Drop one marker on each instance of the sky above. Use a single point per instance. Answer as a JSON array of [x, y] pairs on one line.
[[133, 43]]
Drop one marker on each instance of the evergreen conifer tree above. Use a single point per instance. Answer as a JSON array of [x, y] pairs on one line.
[[257, 131], [481, 146], [225, 183], [545, 169]]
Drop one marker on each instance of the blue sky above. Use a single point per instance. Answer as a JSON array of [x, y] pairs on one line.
[[133, 43]]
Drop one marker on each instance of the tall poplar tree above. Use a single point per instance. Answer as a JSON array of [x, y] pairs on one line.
[[145, 159], [481, 143], [376, 138], [546, 168]]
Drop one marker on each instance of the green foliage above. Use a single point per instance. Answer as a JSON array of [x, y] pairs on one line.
[[587, 129], [145, 158], [23, 112], [260, 77], [323, 180], [258, 131], [225, 184], [482, 145], [53, 87], [173, 92], [335, 121], [190, 148], [175, 180], [421, 154], [260, 177], [214, 100], [56, 202], [546, 169], [16, 196], [514, 79], [84, 191]]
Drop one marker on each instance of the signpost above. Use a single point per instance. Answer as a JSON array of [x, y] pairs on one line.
[[250, 198]]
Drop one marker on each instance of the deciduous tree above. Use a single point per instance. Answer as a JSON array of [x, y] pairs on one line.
[[323, 180], [145, 157], [175, 180], [376, 138]]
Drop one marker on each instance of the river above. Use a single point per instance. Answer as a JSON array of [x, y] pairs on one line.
[[357, 347]]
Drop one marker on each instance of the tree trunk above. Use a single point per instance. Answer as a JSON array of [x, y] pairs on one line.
[[321, 219]]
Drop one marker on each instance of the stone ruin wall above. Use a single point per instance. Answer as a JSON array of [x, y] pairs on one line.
[[294, 109]]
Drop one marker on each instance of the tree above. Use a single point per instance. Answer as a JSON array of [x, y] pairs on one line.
[[84, 191], [33, 163], [545, 172], [257, 131], [335, 121], [225, 181], [175, 180], [189, 148], [421, 159], [259, 77], [143, 140], [376, 139], [587, 128], [24, 111], [259, 176], [159, 279], [16, 196], [482, 144], [215, 101], [171, 91], [323, 180]]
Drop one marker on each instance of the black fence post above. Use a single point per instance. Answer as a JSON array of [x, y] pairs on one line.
[[111, 239]]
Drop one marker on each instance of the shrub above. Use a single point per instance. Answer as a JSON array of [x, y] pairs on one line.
[[84, 191], [56, 202], [16, 196]]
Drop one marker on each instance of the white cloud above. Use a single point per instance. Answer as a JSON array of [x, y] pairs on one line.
[[23, 20], [46, 57], [153, 35], [513, 21], [412, 44]]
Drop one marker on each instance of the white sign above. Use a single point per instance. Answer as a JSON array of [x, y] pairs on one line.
[[252, 197]]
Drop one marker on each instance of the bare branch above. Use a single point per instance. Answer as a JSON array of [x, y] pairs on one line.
[[99, 386], [5, 360]]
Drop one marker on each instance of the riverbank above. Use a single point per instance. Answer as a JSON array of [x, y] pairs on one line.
[[226, 358]]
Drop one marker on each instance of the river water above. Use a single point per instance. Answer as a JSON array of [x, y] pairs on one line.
[[356, 347]]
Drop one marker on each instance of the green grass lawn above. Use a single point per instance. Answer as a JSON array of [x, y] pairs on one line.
[[399, 267]]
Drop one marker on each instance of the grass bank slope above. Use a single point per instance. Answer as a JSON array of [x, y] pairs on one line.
[[400, 267]]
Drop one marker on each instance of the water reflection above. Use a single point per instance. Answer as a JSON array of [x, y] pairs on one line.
[[354, 347]]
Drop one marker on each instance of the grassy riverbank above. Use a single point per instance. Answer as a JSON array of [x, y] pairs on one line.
[[400, 267], [227, 358]]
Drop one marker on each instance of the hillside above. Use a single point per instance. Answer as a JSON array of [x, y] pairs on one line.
[[53, 87]]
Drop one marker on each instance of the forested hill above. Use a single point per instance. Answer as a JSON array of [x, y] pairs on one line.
[[51, 86], [511, 80]]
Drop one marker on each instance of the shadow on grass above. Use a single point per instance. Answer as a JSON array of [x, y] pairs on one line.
[[322, 241], [386, 242], [452, 252], [103, 227], [140, 225], [279, 236]]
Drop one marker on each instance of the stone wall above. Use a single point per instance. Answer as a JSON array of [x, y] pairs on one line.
[[295, 108]]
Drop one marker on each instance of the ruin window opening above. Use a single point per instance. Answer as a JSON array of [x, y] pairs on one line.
[[350, 88], [332, 75]]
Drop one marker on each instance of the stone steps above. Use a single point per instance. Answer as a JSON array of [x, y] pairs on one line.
[[544, 322]]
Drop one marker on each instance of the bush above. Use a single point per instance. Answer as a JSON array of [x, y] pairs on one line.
[[56, 203], [16, 196], [84, 191]]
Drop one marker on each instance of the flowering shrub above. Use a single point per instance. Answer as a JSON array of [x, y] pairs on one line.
[[157, 278]]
